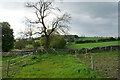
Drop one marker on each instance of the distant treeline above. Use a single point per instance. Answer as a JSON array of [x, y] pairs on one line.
[[99, 40]]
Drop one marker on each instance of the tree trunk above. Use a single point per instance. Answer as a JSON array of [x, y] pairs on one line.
[[47, 42]]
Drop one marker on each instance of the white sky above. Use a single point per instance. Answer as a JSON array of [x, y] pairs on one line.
[[14, 12]]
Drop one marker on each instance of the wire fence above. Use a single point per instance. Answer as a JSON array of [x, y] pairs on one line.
[[83, 50], [10, 66]]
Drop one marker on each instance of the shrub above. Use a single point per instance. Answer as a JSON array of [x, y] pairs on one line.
[[112, 39], [85, 41], [36, 44], [118, 38], [106, 39], [29, 46], [58, 43], [20, 44], [29, 41]]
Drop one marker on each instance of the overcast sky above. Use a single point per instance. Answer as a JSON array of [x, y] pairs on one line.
[[88, 18]]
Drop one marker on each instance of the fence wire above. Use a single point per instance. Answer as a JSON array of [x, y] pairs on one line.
[[15, 65]]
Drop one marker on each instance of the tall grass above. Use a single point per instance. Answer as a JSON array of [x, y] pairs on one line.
[[57, 66]]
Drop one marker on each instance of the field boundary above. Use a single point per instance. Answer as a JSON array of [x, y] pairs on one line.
[[83, 50]]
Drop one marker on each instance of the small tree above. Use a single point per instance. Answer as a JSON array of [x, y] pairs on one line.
[[7, 37]]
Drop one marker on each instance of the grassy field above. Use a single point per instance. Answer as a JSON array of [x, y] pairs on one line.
[[91, 45], [90, 38], [66, 65], [105, 62], [53, 66]]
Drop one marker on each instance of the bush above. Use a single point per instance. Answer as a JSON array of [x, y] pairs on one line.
[[112, 39], [29, 46], [20, 44], [58, 43], [118, 38], [36, 45], [107, 39], [99, 40], [30, 41]]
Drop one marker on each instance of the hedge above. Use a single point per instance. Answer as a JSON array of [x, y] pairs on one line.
[[99, 40]]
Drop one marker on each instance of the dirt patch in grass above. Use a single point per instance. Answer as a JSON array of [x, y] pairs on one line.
[[106, 63]]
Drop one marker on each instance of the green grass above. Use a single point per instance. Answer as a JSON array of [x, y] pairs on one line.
[[13, 69], [55, 66], [29, 46], [90, 38], [37, 40], [13, 50], [91, 45], [105, 62]]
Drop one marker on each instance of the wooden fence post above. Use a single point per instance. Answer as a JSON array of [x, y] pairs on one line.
[[105, 48], [8, 68], [75, 53], [86, 51], [99, 48], [111, 48], [92, 63], [25, 60]]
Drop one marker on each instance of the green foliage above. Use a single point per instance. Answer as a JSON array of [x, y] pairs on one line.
[[84, 41], [90, 38], [118, 38], [58, 42], [55, 41], [7, 37], [20, 44], [0, 38], [107, 39], [29, 46], [29, 41], [70, 38], [94, 39], [42, 41], [36, 44]]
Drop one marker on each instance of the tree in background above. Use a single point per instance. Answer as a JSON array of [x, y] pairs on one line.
[[48, 17], [7, 37], [56, 41], [27, 33], [21, 44], [36, 45], [0, 38]]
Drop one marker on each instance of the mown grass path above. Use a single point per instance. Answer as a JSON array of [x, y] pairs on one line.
[[56, 66]]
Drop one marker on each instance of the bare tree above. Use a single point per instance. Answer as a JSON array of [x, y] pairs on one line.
[[28, 32], [43, 11]]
